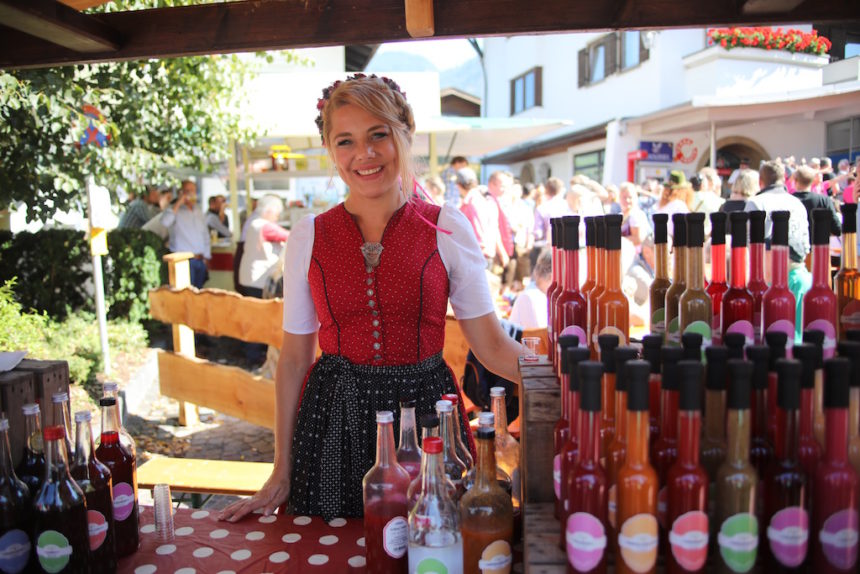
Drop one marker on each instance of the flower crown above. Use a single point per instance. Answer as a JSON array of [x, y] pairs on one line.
[[327, 92]]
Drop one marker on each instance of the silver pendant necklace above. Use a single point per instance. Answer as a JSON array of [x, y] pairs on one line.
[[372, 253]]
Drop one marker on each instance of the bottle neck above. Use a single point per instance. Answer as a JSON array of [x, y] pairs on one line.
[[821, 266], [589, 433], [739, 267], [695, 268], [591, 256], [620, 418], [718, 263], [679, 274], [384, 444], [849, 251], [56, 467], [688, 444], [836, 431], [433, 478], [807, 413], [110, 424], [486, 473], [661, 254], [715, 414], [6, 466], [613, 270], [83, 443], [571, 270], [35, 442], [638, 429], [669, 414], [501, 416], [760, 414], [738, 436], [601, 266], [565, 397], [779, 266], [854, 413], [574, 413], [556, 264], [428, 432], [790, 441], [408, 438], [757, 262]]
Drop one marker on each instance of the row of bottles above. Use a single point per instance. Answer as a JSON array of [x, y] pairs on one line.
[[68, 508], [434, 508], [754, 488]]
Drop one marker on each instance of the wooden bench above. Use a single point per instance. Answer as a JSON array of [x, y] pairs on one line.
[[199, 476]]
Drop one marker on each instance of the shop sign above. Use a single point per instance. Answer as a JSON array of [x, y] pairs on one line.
[[686, 151], [657, 151]]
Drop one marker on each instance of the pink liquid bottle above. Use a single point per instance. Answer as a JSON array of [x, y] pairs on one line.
[[571, 311], [717, 286], [835, 522], [570, 450], [851, 351], [757, 284], [819, 303], [555, 287], [665, 451], [776, 342], [385, 509], [738, 302], [408, 453], [651, 345], [809, 450], [561, 432], [778, 303]]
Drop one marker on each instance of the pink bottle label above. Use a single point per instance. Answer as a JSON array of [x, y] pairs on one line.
[[556, 475], [788, 534], [744, 327], [689, 540], [829, 331], [98, 528], [850, 317], [394, 537], [662, 506], [783, 326], [585, 541], [839, 537], [123, 501], [576, 330]]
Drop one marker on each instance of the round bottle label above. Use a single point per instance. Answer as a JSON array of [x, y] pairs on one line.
[[784, 326], [576, 330], [839, 537], [788, 534], [14, 551], [850, 316], [829, 331], [394, 539], [672, 330], [745, 327], [53, 550], [123, 501], [662, 506], [98, 528], [585, 540], [738, 540], [658, 321], [689, 540], [612, 505], [556, 475], [622, 338], [444, 558], [637, 542], [496, 558]]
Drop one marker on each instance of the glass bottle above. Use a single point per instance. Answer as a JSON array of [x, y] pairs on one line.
[[591, 262], [809, 449], [679, 279], [817, 337], [717, 286], [455, 468], [757, 285], [713, 452], [561, 432], [820, 302], [613, 310], [123, 470], [385, 490], [59, 514], [110, 390], [570, 450], [430, 428], [847, 281], [486, 419], [737, 311], [694, 305], [687, 482], [555, 229], [665, 451], [507, 447], [571, 312], [691, 343], [779, 307], [586, 527], [787, 488], [608, 344], [61, 416], [597, 291], [435, 540], [486, 514], [776, 342], [638, 533], [761, 449], [15, 515], [94, 479], [835, 515], [738, 534], [617, 452], [851, 351], [457, 419], [408, 453], [31, 469], [661, 283], [651, 345]]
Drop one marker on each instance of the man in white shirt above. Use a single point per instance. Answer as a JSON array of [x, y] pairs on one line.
[[189, 232]]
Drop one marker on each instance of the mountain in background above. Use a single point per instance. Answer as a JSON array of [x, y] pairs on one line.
[[466, 77]]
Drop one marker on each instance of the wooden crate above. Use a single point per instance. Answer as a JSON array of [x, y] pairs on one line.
[[540, 409], [49, 377], [16, 390], [541, 534]]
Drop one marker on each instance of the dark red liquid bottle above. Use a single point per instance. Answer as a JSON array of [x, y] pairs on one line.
[[738, 303], [776, 342], [761, 449], [555, 286], [571, 307], [757, 285], [665, 451], [31, 468], [713, 451], [59, 514], [717, 286], [809, 451], [651, 345], [599, 286], [687, 482], [835, 522], [123, 470], [608, 344], [15, 514], [819, 303], [779, 307], [570, 450], [561, 432]]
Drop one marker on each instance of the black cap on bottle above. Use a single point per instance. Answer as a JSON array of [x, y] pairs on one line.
[[852, 334], [679, 229], [651, 351], [735, 343], [757, 226], [691, 387], [107, 402], [670, 357], [565, 342], [575, 355], [622, 356], [428, 421], [607, 344], [554, 230], [849, 217], [776, 342], [788, 383], [740, 372], [599, 232], [815, 337], [717, 357], [851, 351], [718, 228], [821, 219], [810, 357], [590, 373], [661, 227], [638, 388], [738, 221], [836, 373], [760, 357], [613, 231], [779, 235], [692, 343], [590, 238], [486, 433], [571, 232], [695, 229]]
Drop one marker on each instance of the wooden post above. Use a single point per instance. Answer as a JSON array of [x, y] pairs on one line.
[[419, 18], [179, 277]]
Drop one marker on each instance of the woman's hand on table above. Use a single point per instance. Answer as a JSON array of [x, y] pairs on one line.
[[273, 494]]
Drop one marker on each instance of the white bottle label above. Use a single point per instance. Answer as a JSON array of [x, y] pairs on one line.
[[394, 540]]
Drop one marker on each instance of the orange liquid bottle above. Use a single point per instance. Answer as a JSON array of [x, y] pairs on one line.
[[591, 257], [661, 283], [599, 284], [847, 282], [613, 311], [607, 344]]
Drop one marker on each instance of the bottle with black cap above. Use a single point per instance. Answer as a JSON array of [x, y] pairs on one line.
[[613, 310], [600, 285], [694, 306], [737, 480], [737, 311], [817, 338], [586, 529], [562, 427], [714, 437], [757, 284], [717, 287], [679, 279], [778, 306], [661, 283], [777, 342], [651, 345], [555, 286], [687, 482], [638, 530], [786, 486], [692, 345], [847, 280], [735, 343], [665, 450], [851, 351], [853, 335], [590, 257], [608, 344], [571, 307], [618, 449], [570, 450], [819, 303], [836, 483], [761, 448], [810, 450]]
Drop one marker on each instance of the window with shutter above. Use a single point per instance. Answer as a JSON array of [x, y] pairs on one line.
[[611, 43], [582, 66], [527, 91]]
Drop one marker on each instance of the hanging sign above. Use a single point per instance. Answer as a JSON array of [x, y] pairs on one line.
[[685, 151], [657, 151]]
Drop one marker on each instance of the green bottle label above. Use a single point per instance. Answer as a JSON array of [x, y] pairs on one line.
[[658, 321], [738, 540], [673, 334]]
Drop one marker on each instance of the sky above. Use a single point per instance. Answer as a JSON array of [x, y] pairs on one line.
[[444, 54]]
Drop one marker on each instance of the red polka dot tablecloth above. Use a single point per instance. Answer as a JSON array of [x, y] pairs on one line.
[[256, 545]]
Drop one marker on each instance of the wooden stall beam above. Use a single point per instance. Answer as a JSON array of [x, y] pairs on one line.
[[58, 24]]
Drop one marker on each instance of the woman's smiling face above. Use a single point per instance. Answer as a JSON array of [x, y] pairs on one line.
[[364, 152]]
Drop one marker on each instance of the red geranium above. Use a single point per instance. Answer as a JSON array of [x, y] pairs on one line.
[[791, 40]]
